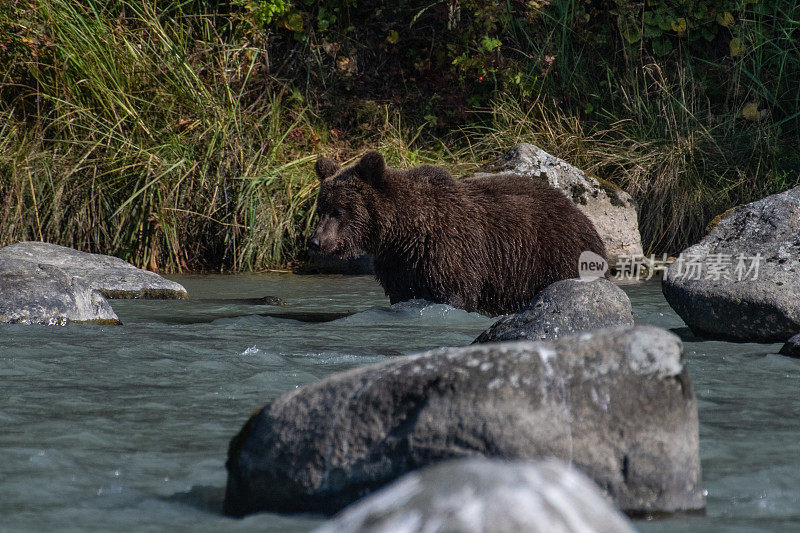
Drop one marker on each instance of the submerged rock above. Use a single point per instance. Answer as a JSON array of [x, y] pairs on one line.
[[32, 293], [563, 308], [113, 277], [481, 495], [742, 281], [268, 300], [616, 403], [264, 300], [611, 210], [792, 347]]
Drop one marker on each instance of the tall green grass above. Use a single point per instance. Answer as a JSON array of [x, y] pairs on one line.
[[151, 140], [682, 166], [153, 131]]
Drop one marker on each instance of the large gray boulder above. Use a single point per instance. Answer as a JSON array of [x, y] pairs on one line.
[[616, 403], [111, 276], [484, 496], [742, 281], [32, 293], [564, 308], [611, 210]]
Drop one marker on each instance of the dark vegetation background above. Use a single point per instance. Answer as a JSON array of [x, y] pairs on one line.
[[180, 135]]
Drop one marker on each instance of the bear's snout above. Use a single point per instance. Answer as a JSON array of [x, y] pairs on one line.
[[325, 236]]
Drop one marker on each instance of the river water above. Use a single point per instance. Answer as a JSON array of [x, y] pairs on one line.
[[127, 427]]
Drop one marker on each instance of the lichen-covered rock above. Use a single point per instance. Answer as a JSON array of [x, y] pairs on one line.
[[484, 496], [616, 403], [792, 347], [111, 276], [742, 280], [32, 293], [563, 308], [611, 210]]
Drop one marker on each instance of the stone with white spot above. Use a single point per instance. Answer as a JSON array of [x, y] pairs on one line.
[[564, 308], [111, 276], [32, 293], [742, 281], [616, 403]]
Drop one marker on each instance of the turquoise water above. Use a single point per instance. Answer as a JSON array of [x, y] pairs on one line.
[[115, 428]]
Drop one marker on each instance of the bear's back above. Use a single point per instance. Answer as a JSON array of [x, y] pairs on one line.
[[534, 235], [511, 185], [517, 198]]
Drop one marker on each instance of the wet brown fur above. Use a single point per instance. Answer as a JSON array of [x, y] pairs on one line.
[[484, 244]]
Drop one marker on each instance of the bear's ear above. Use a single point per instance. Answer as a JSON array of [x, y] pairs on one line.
[[370, 167], [326, 168]]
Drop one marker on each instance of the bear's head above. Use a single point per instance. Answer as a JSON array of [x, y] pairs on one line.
[[348, 204]]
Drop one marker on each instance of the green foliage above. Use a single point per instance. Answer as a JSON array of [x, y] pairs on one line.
[[180, 134], [262, 12], [654, 20], [661, 23]]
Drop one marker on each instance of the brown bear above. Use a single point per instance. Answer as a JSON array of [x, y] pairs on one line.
[[484, 244]]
